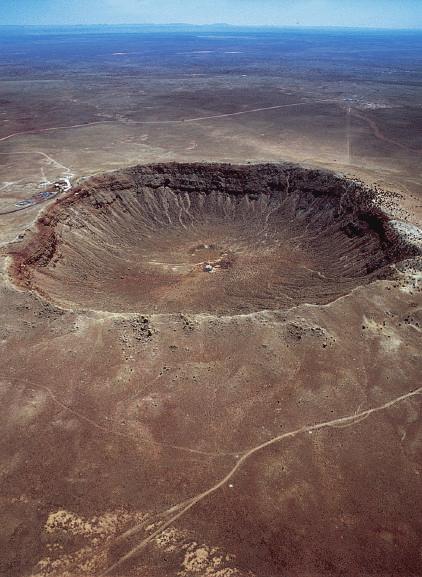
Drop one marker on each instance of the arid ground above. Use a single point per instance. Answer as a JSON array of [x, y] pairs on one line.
[[210, 347]]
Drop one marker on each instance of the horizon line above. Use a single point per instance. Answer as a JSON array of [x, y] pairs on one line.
[[211, 25]]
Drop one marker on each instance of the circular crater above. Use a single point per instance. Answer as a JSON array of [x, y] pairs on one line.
[[208, 238]]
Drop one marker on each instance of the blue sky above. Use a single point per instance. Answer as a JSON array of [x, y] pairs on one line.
[[373, 13]]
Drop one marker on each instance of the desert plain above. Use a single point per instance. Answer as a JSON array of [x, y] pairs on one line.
[[210, 345]]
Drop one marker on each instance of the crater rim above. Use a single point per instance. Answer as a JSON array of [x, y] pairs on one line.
[[37, 252]]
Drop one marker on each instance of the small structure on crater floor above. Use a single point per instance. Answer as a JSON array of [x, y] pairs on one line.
[[207, 267]]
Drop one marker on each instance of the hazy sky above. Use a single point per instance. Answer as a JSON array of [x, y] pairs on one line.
[[374, 13]]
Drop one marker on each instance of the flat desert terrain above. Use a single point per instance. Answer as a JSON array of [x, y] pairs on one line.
[[210, 303]]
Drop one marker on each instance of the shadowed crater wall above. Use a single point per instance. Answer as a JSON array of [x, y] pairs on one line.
[[208, 238]]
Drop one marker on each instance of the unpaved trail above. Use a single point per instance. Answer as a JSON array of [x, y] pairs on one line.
[[56, 163], [111, 431], [355, 418], [53, 128], [41, 153], [153, 122], [228, 114], [379, 134], [9, 184]]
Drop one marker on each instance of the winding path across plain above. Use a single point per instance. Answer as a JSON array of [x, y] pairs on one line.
[[183, 508]]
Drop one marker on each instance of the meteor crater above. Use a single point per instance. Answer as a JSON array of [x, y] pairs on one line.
[[208, 238]]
